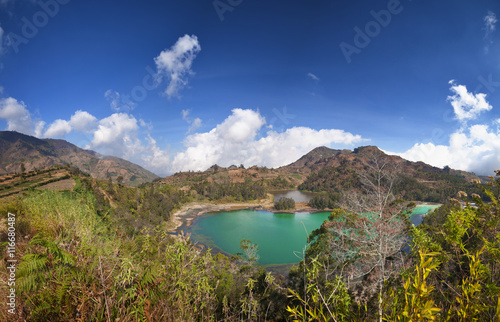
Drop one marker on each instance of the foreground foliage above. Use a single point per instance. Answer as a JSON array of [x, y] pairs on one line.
[[76, 264], [84, 256]]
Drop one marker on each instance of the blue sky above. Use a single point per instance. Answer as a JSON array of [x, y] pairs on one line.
[[182, 85]]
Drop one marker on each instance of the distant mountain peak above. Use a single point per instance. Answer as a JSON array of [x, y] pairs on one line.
[[368, 150]]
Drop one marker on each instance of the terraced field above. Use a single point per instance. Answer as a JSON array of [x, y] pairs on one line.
[[54, 178]]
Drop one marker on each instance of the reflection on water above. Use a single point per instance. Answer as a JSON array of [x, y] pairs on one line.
[[280, 237], [298, 196]]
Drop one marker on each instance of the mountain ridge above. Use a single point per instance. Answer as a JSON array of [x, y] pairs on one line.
[[17, 148], [328, 170], [334, 158]]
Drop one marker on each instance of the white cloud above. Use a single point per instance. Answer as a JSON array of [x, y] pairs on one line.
[[240, 126], [58, 128], [476, 149], [185, 115], [467, 106], [19, 118], [81, 121], [143, 123], [116, 135], [195, 124], [235, 141], [175, 63], [156, 159], [117, 102], [490, 21], [311, 75], [1, 40]]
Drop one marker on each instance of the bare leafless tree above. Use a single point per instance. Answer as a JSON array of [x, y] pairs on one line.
[[370, 234]]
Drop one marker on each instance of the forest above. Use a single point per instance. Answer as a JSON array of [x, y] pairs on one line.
[[100, 253]]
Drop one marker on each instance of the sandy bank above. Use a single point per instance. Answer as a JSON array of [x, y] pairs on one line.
[[192, 210]]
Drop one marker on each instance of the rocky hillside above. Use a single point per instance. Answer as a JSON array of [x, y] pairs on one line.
[[323, 157], [337, 171], [329, 170], [273, 178], [34, 153]]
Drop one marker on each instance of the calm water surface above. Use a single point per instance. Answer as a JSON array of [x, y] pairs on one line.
[[279, 236], [298, 196]]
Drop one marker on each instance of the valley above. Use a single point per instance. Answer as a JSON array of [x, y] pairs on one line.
[[163, 228]]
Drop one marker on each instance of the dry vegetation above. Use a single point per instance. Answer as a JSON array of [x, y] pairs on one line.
[[55, 178]]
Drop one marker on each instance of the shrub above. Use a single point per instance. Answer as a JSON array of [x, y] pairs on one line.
[[284, 204]]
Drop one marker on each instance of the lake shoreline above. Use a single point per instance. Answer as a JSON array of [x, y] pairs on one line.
[[184, 222], [184, 217]]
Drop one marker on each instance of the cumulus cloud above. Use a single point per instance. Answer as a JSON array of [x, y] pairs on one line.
[[466, 105], [81, 121], [58, 128], [19, 118], [156, 159], [235, 141], [175, 63], [476, 149], [239, 139], [115, 134], [311, 75]]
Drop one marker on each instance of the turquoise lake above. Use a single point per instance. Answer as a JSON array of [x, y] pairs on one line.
[[279, 236]]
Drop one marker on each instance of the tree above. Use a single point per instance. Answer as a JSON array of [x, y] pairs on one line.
[[110, 184], [364, 241], [249, 251], [119, 180], [284, 204]]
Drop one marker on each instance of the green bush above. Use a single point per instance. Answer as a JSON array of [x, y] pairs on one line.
[[284, 204]]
